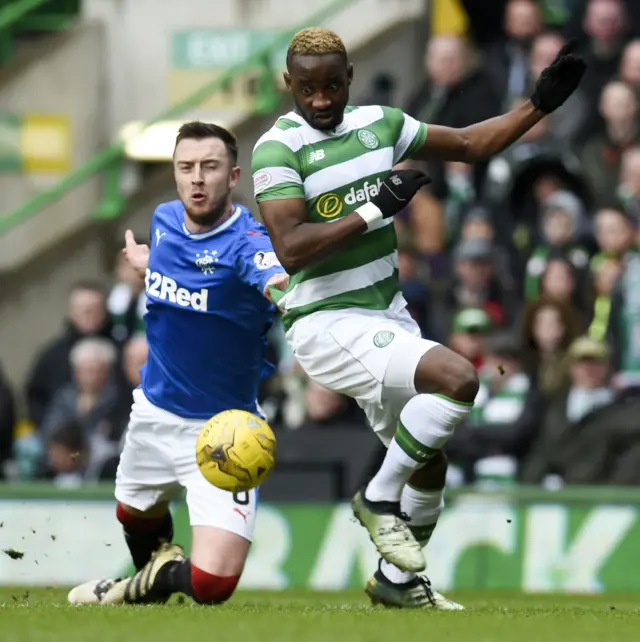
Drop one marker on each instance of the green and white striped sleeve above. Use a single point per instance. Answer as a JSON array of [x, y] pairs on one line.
[[410, 134], [275, 169]]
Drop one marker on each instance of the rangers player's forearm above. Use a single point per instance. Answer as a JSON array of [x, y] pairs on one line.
[[307, 243]]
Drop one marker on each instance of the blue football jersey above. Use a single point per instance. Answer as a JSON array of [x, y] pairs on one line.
[[207, 317]]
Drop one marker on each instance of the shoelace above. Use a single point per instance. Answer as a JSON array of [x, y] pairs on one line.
[[425, 582], [396, 528]]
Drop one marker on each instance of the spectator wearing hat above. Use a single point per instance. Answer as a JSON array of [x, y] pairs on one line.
[[569, 414], [562, 218], [469, 330], [478, 222], [475, 284]]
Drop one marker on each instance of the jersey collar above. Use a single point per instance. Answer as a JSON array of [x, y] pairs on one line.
[[215, 230]]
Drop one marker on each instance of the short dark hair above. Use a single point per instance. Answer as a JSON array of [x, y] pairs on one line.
[[68, 434], [198, 130]]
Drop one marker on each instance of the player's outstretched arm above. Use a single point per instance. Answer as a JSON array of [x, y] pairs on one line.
[[485, 139], [298, 243]]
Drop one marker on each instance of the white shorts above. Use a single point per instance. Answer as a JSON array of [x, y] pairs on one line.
[[159, 459], [369, 355]]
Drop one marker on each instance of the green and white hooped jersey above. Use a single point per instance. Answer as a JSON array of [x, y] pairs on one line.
[[336, 172]]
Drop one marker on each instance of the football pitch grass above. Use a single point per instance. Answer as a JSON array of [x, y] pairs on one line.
[[41, 615]]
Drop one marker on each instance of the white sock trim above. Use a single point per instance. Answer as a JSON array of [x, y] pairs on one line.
[[431, 419]]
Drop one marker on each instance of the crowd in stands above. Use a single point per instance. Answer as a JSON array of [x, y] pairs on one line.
[[528, 265]]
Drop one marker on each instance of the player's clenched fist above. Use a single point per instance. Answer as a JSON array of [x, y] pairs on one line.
[[398, 189], [137, 255]]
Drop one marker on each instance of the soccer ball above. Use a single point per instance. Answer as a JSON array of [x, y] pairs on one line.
[[236, 450]]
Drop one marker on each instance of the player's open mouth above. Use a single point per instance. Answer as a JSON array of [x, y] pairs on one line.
[[323, 118], [198, 197]]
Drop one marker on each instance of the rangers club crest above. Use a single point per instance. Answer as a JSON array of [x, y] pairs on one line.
[[206, 262]]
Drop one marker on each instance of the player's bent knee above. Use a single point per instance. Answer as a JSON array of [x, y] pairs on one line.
[[445, 372], [211, 589], [466, 383]]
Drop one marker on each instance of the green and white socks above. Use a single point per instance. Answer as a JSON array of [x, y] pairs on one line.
[[426, 424]]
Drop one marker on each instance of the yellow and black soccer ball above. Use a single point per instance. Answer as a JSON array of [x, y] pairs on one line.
[[236, 450]]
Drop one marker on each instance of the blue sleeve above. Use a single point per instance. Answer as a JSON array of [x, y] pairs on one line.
[[256, 262]]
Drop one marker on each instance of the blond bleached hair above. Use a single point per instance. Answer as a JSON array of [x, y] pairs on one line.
[[316, 41]]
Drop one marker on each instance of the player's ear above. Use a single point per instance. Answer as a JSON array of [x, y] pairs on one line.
[[350, 72], [234, 177], [287, 79]]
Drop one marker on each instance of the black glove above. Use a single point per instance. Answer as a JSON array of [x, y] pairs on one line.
[[559, 80], [398, 189]]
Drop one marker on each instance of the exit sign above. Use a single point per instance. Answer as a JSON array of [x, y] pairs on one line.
[[220, 48]]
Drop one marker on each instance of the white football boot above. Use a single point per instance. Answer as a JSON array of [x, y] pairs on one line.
[[415, 594], [389, 531]]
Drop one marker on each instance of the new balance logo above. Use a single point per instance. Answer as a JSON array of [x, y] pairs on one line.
[[165, 288], [316, 155], [396, 180]]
